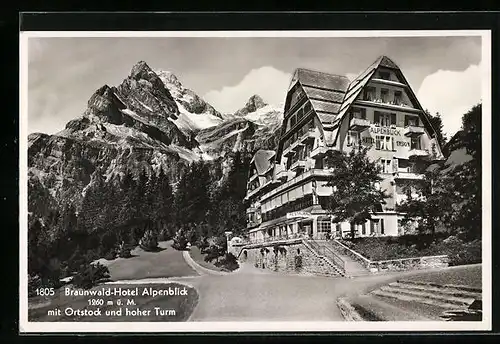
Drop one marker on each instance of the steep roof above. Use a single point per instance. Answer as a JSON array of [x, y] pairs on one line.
[[330, 82], [325, 92], [357, 85], [262, 160]]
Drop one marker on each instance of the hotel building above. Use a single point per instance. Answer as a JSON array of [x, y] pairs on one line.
[[287, 188]]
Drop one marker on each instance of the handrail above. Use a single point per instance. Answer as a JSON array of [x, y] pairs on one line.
[[353, 254], [327, 252]]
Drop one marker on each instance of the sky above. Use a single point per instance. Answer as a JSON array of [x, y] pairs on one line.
[[63, 73]]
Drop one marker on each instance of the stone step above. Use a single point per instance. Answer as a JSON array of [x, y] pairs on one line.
[[462, 288], [437, 289], [458, 301], [412, 298], [373, 309], [428, 311]]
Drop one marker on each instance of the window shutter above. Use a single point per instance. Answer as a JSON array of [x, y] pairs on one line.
[[372, 226], [381, 226], [393, 144], [377, 142], [406, 121], [363, 229], [363, 113], [393, 118], [377, 117]]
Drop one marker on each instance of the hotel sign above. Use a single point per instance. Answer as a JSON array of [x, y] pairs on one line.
[[295, 214], [385, 131]]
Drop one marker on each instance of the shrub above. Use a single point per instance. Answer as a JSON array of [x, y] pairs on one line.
[[124, 250], [90, 276], [149, 242], [180, 240], [228, 262], [203, 244], [298, 262]]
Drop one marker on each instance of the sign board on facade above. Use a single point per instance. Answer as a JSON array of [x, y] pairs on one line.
[[296, 214]]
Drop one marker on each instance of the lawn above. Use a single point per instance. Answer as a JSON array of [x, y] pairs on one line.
[[465, 275], [179, 307], [411, 246], [199, 258]]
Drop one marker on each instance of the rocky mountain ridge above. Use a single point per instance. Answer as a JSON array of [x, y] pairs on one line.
[[149, 121]]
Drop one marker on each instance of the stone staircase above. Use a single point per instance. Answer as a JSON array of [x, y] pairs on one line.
[[351, 267]]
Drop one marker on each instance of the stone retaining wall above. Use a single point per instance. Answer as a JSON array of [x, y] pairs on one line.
[[294, 258]]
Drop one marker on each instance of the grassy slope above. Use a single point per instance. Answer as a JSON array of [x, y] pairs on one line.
[[167, 262]]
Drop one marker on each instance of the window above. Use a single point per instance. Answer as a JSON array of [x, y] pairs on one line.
[[384, 95], [300, 114], [398, 97], [386, 165], [374, 226], [415, 143], [359, 113], [385, 119], [411, 120], [352, 138], [324, 226], [384, 142], [293, 120], [384, 75], [361, 228], [307, 108], [369, 93]]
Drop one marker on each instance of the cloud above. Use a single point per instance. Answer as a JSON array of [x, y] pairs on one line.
[[452, 94], [268, 82], [352, 76]]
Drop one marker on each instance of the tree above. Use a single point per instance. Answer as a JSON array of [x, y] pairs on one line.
[[451, 193], [426, 207], [354, 181], [437, 124]]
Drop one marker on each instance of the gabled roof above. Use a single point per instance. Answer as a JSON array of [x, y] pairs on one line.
[[262, 160], [325, 91], [357, 85]]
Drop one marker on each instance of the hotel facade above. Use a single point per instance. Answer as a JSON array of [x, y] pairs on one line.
[[287, 188]]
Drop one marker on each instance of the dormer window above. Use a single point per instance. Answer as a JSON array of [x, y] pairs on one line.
[[384, 75]]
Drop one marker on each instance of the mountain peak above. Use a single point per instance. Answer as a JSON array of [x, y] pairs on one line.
[[168, 78], [254, 103], [141, 70]]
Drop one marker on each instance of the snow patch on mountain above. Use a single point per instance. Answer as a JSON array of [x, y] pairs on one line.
[[194, 112]]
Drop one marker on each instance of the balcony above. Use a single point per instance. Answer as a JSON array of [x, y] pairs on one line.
[[408, 176], [412, 131], [282, 175], [255, 175], [307, 174], [299, 164], [387, 105], [416, 153], [307, 136], [359, 124], [319, 152]]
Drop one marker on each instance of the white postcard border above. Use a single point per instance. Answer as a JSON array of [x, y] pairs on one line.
[[71, 327]]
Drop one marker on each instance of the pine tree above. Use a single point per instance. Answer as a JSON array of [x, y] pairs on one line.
[[437, 124]]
